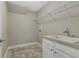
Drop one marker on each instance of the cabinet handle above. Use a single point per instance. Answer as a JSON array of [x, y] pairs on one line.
[[52, 50], [55, 52]]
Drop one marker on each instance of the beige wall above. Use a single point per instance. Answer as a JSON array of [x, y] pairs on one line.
[[58, 27], [51, 6], [3, 27], [56, 21], [22, 28]]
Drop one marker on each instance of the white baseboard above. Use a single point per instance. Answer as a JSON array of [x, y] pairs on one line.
[[21, 45], [6, 53], [39, 44]]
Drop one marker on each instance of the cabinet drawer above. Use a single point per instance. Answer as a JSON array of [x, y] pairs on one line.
[[67, 50]]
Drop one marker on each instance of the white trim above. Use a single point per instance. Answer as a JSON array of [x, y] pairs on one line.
[[6, 54], [39, 44], [22, 45]]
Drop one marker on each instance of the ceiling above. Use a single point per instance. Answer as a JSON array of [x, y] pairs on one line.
[[22, 6]]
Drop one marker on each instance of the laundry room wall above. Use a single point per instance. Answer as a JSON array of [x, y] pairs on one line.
[[22, 28], [3, 28]]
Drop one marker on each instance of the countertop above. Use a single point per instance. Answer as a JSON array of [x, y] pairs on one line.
[[53, 38]]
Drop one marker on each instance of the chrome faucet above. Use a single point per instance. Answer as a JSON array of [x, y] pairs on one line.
[[67, 31]]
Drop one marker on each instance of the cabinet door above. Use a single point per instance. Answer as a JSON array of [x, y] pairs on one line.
[[47, 52], [48, 47]]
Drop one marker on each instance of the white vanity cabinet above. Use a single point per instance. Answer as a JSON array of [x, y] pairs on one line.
[[48, 52], [51, 50]]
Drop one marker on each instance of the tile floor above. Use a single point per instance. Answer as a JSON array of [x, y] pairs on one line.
[[33, 51]]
